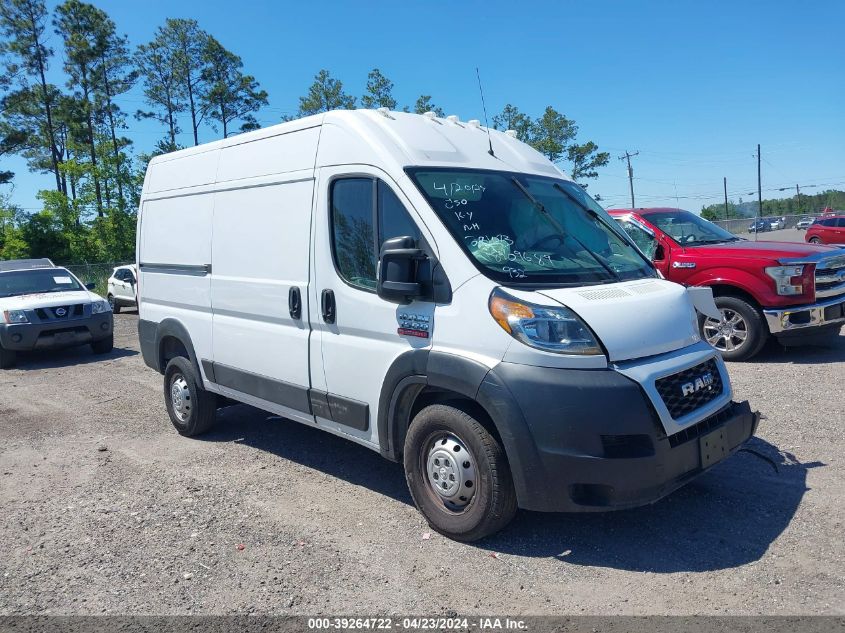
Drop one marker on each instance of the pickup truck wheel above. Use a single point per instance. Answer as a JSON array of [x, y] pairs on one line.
[[7, 358], [458, 474], [192, 409], [740, 334]]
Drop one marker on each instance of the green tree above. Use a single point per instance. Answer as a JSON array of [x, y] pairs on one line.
[[25, 131], [163, 89], [12, 243], [186, 44], [229, 94], [80, 26], [584, 159], [115, 75], [326, 93], [512, 119], [552, 133], [424, 104], [379, 91], [23, 23]]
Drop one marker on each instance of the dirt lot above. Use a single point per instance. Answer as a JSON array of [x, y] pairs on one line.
[[105, 509]]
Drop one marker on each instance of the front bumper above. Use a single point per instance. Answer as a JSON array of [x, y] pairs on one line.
[[789, 319], [32, 336], [591, 440]]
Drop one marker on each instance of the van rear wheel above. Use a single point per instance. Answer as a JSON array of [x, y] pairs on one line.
[[192, 409], [458, 474]]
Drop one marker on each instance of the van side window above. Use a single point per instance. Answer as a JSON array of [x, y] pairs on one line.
[[353, 232], [358, 206], [393, 218]]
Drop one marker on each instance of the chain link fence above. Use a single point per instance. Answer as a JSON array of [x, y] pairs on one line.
[[738, 226], [95, 273]]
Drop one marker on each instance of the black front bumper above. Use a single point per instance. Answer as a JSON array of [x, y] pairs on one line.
[[32, 336], [590, 440]]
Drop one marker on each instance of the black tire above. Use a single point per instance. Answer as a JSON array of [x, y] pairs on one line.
[[756, 332], [103, 346], [8, 358], [196, 409], [491, 505], [814, 240], [115, 306]]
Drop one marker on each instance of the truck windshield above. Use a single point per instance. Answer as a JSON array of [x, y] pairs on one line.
[[688, 229], [531, 230], [39, 281]]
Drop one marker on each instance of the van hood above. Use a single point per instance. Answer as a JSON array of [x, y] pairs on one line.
[[47, 300], [634, 319]]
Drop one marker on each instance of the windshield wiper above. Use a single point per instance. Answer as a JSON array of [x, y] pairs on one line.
[[559, 227]]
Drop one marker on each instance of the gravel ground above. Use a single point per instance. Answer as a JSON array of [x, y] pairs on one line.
[[105, 509]]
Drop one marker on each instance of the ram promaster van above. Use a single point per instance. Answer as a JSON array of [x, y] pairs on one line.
[[440, 293]]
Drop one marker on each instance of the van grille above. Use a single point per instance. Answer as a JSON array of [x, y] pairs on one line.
[[686, 391], [60, 313], [830, 277]]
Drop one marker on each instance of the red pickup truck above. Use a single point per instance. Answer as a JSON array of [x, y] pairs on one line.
[[784, 289]]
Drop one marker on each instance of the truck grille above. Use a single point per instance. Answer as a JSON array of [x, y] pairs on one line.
[[830, 277], [686, 391], [60, 313]]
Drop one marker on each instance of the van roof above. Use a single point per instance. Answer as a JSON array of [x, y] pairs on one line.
[[408, 139]]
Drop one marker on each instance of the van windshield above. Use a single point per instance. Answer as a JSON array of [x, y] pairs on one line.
[[39, 281], [532, 230]]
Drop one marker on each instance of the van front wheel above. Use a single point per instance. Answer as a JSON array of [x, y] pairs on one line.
[[458, 474], [192, 409]]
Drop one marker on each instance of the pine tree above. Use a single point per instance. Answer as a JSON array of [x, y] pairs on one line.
[[326, 93], [379, 91], [23, 23], [424, 105], [229, 95]]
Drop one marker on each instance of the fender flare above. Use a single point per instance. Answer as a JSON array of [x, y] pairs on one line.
[[414, 370], [172, 328]]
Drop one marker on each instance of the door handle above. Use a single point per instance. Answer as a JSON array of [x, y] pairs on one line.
[[327, 306], [295, 303]]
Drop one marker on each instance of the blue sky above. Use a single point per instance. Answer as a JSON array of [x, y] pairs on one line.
[[694, 86]]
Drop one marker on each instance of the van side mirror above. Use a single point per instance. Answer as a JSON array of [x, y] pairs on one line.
[[398, 265], [90, 286]]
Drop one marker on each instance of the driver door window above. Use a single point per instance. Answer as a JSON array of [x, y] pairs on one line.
[[358, 205], [645, 242]]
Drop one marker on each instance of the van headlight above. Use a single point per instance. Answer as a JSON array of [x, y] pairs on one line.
[[15, 316], [549, 328], [99, 307]]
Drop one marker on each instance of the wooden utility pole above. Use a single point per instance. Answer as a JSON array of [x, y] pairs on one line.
[[798, 193], [725, 182], [627, 157]]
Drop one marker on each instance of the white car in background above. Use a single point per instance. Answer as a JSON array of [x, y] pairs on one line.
[[805, 223], [123, 288], [777, 223]]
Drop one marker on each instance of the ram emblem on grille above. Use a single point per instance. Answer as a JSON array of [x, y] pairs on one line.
[[705, 381]]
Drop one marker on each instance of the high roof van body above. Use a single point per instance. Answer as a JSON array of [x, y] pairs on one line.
[[440, 293]]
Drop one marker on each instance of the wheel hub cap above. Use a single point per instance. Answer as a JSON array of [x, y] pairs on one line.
[[726, 335], [451, 471], [180, 397]]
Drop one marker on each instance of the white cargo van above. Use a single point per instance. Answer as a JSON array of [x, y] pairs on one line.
[[438, 292]]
